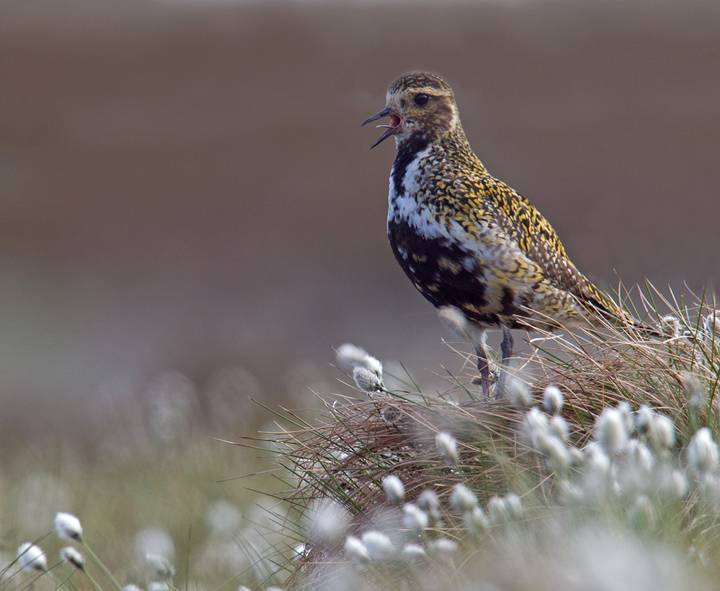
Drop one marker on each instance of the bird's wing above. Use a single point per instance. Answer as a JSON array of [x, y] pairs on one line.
[[538, 241]]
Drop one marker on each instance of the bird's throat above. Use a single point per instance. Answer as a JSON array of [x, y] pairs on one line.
[[407, 152]]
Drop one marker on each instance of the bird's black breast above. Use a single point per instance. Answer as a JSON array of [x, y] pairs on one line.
[[446, 274], [407, 152]]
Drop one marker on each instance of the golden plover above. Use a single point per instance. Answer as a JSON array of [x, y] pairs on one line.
[[468, 241]]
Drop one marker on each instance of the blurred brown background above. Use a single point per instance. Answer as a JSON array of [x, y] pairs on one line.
[[186, 186]]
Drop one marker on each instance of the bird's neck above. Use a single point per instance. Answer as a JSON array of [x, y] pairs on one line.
[[456, 146], [409, 151], [452, 146]]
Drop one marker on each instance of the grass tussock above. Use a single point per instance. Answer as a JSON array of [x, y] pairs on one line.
[[603, 436]]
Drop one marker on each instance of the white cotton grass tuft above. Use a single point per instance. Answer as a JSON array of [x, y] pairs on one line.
[[498, 510], [394, 488], [171, 398], [476, 522], [391, 415], [518, 393], [447, 446], [160, 567], [429, 502], [350, 356], [553, 400], [454, 320], [640, 460], [443, 549], [131, 587], [153, 540], [378, 546], [710, 489], [673, 484], [68, 527], [670, 326], [663, 432], [555, 450], [549, 437], [72, 557], [374, 365], [702, 453], [694, 391], [413, 552], [514, 505], [366, 380], [637, 474], [31, 558], [415, 519], [463, 499], [642, 512], [577, 457], [712, 325], [645, 419], [327, 521], [611, 430], [535, 423], [560, 428], [626, 412], [223, 518], [356, 551], [159, 586], [570, 493], [598, 472], [457, 323]]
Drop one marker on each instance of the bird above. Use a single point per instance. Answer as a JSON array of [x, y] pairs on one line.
[[470, 243]]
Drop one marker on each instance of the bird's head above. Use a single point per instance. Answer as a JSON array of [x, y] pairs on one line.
[[418, 104]]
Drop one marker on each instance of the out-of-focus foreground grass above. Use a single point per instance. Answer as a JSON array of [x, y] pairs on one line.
[[155, 484]]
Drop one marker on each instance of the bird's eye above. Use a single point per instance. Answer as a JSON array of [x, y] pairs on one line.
[[421, 99]]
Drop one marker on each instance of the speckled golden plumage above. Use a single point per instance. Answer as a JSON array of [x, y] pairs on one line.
[[466, 239]]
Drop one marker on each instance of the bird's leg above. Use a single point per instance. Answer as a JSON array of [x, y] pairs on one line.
[[483, 367], [506, 350]]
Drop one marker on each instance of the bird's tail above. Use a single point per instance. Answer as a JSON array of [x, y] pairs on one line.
[[603, 306]]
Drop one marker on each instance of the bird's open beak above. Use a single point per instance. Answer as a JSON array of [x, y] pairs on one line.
[[389, 129]]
